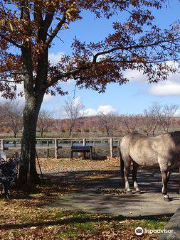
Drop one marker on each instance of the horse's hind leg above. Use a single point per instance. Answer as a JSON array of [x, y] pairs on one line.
[[164, 182], [168, 176], [127, 166], [134, 176]]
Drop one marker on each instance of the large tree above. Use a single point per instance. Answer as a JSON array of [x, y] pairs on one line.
[[30, 26]]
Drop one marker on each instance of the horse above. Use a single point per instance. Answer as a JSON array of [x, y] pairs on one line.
[[161, 151]]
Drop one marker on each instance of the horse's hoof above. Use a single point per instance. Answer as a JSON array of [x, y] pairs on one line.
[[129, 192], [138, 191], [166, 198]]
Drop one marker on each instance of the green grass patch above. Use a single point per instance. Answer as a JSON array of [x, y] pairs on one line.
[[23, 219]]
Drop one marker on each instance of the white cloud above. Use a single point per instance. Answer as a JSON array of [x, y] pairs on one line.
[[77, 101], [20, 88], [47, 98], [54, 58], [135, 75], [177, 113], [106, 109], [168, 88], [89, 112]]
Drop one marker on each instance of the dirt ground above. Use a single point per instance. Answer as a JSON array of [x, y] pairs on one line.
[[52, 165], [26, 216]]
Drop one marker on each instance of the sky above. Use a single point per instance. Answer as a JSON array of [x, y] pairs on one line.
[[130, 98]]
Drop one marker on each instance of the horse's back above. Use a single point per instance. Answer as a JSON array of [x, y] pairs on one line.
[[151, 151]]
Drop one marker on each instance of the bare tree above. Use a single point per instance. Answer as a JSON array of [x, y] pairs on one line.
[[58, 124], [130, 123], [158, 117], [44, 121], [73, 110], [13, 114], [152, 118], [168, 112], [108, 122]]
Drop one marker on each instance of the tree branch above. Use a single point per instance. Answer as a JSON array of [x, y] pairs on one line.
[[65, 75], [127, 48], [11, 81], [56, 30], [85, 67], [11, 41]]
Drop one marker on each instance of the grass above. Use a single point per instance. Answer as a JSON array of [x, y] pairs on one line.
[[25, 219]]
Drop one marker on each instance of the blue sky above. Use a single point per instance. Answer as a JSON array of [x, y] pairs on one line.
[[131, 98]]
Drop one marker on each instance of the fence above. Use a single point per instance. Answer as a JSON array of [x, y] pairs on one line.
[[60, 143]]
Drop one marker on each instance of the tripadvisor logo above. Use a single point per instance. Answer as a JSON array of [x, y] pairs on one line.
[[139, 231]]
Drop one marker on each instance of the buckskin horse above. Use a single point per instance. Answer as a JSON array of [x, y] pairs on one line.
[[162, 151]]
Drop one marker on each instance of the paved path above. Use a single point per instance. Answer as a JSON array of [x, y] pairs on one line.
[[108, 197]]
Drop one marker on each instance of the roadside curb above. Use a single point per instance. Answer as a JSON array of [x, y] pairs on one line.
[[173, 224]]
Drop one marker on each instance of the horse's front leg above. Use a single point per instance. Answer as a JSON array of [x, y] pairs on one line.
[[164, 182], [126, 176], [134, 176]]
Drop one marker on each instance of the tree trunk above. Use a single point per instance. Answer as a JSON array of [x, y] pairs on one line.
[[42, 131], [15, 135], [70, 131], [34, 89], [27, 171]]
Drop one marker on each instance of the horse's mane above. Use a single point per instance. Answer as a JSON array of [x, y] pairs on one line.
[[175, 134]]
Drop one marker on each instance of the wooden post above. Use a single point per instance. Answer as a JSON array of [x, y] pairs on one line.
[[179, 175], [56, 147], [84, 141], [118, 148], [47, 148], [84, 144], [2, 144], [111, 147], [90, 153]]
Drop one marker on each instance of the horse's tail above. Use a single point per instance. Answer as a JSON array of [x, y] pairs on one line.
[[121, 164]]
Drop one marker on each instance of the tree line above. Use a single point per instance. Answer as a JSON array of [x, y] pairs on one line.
[[158, 118]]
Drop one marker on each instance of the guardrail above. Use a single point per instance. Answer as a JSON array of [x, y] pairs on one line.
[[57, 143]]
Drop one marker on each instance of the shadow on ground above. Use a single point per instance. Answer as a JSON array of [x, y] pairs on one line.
[[102, 191]]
